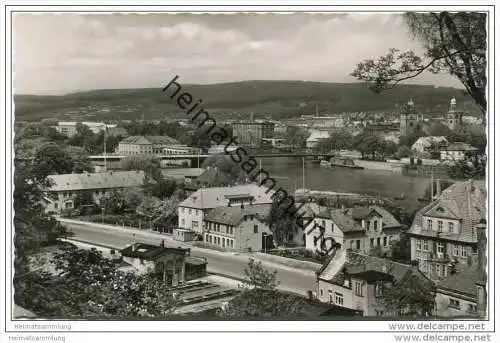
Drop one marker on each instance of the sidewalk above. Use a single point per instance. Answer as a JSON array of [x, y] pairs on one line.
[[266, 259]]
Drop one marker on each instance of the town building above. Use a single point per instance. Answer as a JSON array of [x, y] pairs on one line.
[[252, 132], [463, 292], [221, 149], [173, 265], [444, 233], [356, 281], [410, 119], [429, 144], [68, 128], [241, 228], [180, 149], [191, 211], [316, 137], [459, 151], [65, 187], [454, 117], [145, 145], [358, 228]]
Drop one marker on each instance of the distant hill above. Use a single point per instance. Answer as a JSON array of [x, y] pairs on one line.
[[272, 98]]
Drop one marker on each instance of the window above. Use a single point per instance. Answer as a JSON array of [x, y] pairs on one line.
[[183, 221], [440, 249], [440, 226], [429, 224], [321, 292], [451, 227], [332, 227], [339, 299], [426, 245], [378, 241], [419, 244], [472, 308], [358, 288], [351, 244], [438, 270], [218, 240], [371, 242], [454, 303], [324, 224], [330, 296], [385, 241], [189, 211], [56, 205], [455, 250], [375, 225], [464, 252], [358, 244], [255, 229]]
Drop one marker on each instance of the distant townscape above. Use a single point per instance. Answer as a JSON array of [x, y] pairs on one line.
[[329, 200]]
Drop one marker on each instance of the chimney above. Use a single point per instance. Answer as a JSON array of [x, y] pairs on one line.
[[438, 187]]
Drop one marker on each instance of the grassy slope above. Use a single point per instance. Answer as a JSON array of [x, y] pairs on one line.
[[278, 98]]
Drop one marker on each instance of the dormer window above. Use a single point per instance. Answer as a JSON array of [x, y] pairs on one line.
[[440, 209]]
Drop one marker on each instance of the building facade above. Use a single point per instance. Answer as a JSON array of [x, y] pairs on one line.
[[356, 281], [360, 228], [410, 119], [191, 211], [241, 228], [444, 233], [69, 128], [145, 145], [430, 144], [65, 187], [459, 151], [252, 132]]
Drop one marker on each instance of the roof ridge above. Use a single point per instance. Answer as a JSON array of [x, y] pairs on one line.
[[381, 258]]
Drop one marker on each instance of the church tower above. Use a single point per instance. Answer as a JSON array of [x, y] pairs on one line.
[[454, 117], [410, 120]]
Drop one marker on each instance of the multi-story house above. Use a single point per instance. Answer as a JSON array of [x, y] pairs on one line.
[[459, 151], [145, 145], [241, 228], [252, 132], [191, 211], [357, 228], [444, 233], [65, 187], [463, 293], [428, 145], [356, 281], [68, 128]]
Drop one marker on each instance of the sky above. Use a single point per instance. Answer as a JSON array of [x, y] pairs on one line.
[[63, 53]]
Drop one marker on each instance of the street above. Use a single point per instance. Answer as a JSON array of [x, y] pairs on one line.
[[230, 264]]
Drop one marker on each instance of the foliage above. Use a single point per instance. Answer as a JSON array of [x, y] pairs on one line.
[[463, 169], [403, 151], [163, 188], [401, 249], [120, 200], [226, 166], [83, 198], [377, 251], [80, 159], [150, 165], [455, 43], [296, 136], [258, 277], [149, 207], [88, 285], [338, 141], [411, 138], [281, 222], [51, 159], [413, 296]]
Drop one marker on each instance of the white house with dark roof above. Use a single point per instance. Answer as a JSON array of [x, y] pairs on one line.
[[191, 211], [145, 145], [357, 228], [240, 228], [64, 187], [444, 233], [354, 280], [459, 151], [427, 144]]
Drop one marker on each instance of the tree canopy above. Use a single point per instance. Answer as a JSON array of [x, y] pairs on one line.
[[455, 43]]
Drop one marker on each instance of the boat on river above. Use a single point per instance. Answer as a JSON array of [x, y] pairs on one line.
[[343, 162]]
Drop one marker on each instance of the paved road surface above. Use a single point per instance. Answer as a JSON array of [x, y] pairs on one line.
[[230, 264]]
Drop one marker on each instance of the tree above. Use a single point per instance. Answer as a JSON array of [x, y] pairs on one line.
[[80, 159], [83, 198], [401, 249], [51, 159], [296, 136], [412, 296], [455, 43], [150, 165], [281, 222], [403, 151], [226, 165], [258, 277], [463, 170]]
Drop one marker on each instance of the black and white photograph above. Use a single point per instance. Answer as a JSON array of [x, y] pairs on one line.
[[196, 169]]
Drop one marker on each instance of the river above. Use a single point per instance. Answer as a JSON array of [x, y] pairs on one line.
[[288, 174]]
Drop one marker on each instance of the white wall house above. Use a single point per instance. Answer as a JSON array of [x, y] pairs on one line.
[[65, 187], [192, 209], [358, 228], [68, 128], [458, 152], [241, 228], [316, 137], [425, 144]]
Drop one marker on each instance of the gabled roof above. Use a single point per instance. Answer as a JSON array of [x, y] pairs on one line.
[[206, 198], [235, 215], [429, 140], [466, 200], [150, 140], [317, 135], [107, 180], [463, 281]]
